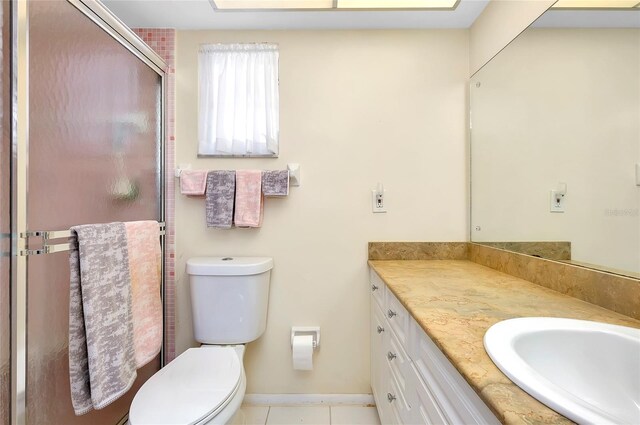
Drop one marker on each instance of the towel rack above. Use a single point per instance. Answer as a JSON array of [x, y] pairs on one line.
[[48, 235], [293, 168]]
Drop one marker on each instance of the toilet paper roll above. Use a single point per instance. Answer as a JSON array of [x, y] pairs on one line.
[[303, 352]]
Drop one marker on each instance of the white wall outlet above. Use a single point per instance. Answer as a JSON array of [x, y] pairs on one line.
[[378, 202], [556, 202]]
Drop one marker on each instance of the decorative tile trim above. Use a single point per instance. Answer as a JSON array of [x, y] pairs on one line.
[[613, 292], [163, 42], [418, 250]]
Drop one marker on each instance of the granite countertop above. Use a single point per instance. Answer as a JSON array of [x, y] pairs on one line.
[[456, 301]]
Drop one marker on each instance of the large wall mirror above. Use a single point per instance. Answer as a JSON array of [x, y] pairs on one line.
[[555, 141]]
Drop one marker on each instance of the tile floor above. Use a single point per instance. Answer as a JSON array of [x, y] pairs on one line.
[[312, 415]]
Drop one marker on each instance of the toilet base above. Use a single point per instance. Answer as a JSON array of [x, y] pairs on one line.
[[239, 418]]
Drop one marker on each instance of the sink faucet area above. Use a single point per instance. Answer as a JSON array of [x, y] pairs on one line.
[[587, 371]]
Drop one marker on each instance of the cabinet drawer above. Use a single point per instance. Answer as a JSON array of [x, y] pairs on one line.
[[380, 393], [458, 402], [396, 415], [398, 318], [396, 398], [379, 335], [377, 288], [398, 362], [380, 396]]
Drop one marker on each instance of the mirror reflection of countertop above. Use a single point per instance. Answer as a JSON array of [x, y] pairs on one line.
[[456, 301], [546, 169]]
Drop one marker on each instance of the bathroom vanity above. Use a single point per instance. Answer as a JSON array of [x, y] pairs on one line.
[[428, 362], [412, 381]]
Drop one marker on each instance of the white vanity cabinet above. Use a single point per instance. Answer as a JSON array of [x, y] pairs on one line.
[[412, 381]]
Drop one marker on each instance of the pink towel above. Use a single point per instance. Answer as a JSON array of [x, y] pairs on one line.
[[193, 182], [145, 265], [249, 205]]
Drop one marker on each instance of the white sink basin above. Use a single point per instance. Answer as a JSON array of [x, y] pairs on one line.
[[586, 371]]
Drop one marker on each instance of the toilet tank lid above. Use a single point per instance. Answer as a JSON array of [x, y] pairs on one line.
[[228, 266]]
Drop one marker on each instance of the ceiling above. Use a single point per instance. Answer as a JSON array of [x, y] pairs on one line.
[[596, 4], [629, 18], [334, 4], [199, 14]]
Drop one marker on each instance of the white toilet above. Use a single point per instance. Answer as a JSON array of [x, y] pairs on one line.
[[206, 385]]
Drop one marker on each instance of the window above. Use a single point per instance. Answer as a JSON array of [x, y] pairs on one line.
[[238, 100]]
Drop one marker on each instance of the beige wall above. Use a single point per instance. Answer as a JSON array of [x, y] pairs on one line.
[[500, 22], [561, 105], [357, 107]]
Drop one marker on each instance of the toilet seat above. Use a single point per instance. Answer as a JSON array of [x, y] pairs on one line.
[[190, 390]]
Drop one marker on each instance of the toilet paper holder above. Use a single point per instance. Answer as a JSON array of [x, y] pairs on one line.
[[314, 331]]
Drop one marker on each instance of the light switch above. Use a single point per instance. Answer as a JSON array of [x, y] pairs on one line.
[[556, 202]]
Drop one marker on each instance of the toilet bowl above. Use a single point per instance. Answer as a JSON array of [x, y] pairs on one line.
[[206, 385], [203, 385]]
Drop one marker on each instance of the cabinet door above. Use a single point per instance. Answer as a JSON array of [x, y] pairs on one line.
[[457, 401], [424, 407]]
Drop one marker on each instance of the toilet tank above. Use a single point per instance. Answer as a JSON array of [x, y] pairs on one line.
[[229, 298]]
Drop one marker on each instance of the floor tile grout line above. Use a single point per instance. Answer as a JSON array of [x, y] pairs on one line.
[[266, 419], [328, 421]]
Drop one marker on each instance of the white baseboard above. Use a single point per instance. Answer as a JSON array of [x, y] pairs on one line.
[[308, 399]]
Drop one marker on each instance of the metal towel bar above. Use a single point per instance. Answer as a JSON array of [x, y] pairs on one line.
[[293, 167], [50, 248]]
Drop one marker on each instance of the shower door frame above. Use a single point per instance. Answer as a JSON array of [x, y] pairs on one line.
[[113, 26]]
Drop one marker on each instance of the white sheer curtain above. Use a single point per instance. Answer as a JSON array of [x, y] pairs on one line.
[[238, 99]]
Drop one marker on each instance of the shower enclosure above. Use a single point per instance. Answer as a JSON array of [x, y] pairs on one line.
[[82, 142], [5, 211]]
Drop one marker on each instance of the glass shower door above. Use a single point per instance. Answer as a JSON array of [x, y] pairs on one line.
[[5, 211], [94, 157]]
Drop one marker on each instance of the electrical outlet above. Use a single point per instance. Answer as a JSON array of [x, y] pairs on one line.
[[377, 201]]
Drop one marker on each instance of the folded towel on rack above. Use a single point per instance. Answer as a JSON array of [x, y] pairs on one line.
[[221, 186], [145, 266], [102, 365], [193, 182], [275, 183], [249, 201]]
